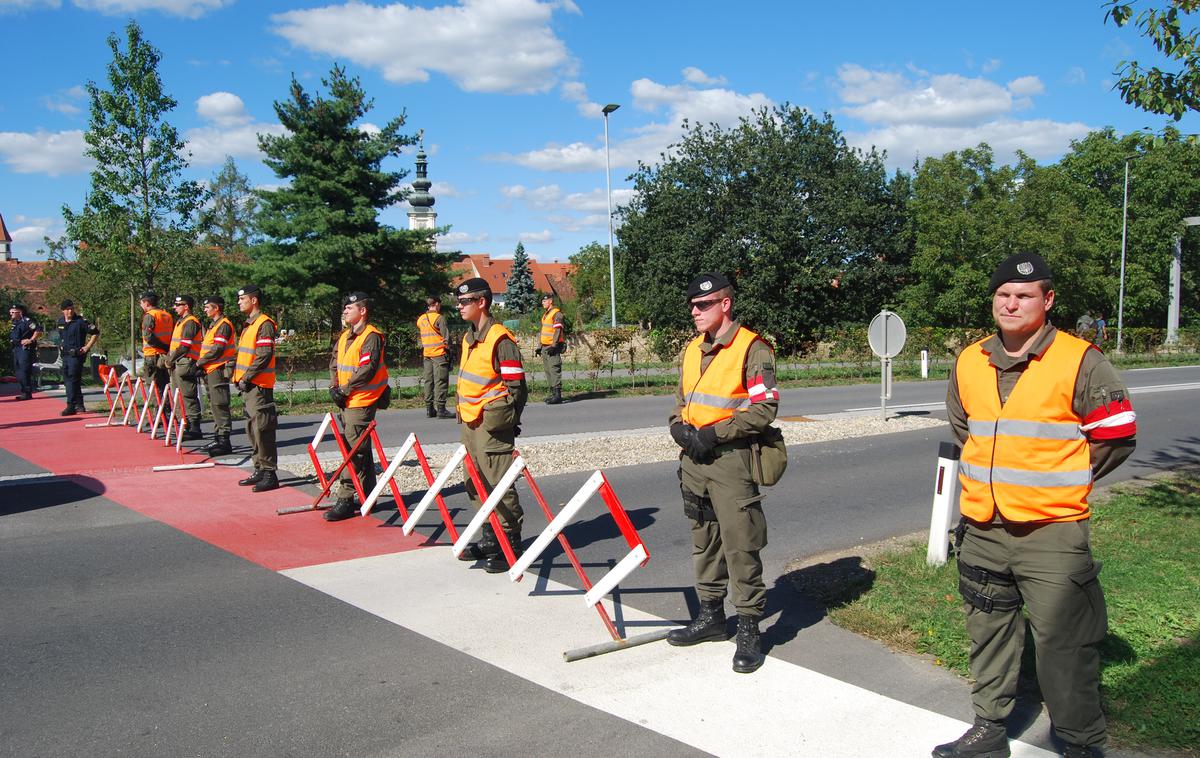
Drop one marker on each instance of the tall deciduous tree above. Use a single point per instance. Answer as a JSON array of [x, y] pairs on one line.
[[783, 205], [590, 282], [1167, 92], [228, 222], [520, 297], [323, 233], [137, 226]]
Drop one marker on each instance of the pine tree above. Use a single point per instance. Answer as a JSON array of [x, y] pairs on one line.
[[137, 227], [521, 297], [228, 222], [324, 238]]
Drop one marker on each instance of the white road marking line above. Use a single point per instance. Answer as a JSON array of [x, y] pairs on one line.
[[525, 628], [28, 478], [1146, 390]]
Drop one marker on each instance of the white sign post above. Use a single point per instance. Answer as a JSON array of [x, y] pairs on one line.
[[886, 335]]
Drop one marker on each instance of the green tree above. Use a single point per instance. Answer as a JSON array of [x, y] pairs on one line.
[[520, 297], [1150, 88], [229, 220], [137, 226], [590, 282], [784, 206], [322, 229]]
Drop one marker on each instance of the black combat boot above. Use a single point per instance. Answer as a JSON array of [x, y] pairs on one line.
[[254, 478], [269, 482], [219, 447], [985, 739], [709, 625], [498, 564], [443, 413], [555, 397], [68, 411], [1071, 750], [342, 510], [430, 412], [192, 430], [485, 548], [749, 656]]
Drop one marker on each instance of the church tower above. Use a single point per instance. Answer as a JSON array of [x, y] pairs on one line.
[[421, 214]]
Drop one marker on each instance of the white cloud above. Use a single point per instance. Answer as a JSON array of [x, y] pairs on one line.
[[367, 127], [29, 232], [990, 65], [539, 198], [462, 238], [223, 109], [679, 101], [1042, 139], [1026, 85], [696, 76], [66, 101], [440, 190], [596, 201], [17, 5], [184, 8], [942, 99], [1075, 75], [42, 152], [579, 223], [576, 92], [536, 237], [482, 45]]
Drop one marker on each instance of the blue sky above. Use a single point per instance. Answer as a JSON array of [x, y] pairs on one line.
[[508, 92]]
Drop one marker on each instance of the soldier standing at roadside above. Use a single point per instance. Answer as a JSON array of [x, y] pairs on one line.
[[491, 396], [358, 384], [76, 338], [157, 326], [1041, 415], [726, 397], [435, 358], [550, 347], [218, 351], [254, 375], [182, 355]]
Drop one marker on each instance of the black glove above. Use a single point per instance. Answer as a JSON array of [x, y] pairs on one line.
[[516, 430], [702, 443], [337, 397], [244, 386], [555, 349], [538, 351], [682, 434]]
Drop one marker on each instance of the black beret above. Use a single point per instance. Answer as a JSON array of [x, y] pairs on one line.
[[251, 289], [706, 283], [151, 296], [215, 300], [17, 306], [1019, 267], [185, 300], [65, 305], [474, 285], [355, 297]]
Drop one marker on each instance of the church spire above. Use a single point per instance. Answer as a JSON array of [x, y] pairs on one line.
[[421, 214]]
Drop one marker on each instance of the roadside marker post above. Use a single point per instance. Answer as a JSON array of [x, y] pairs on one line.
[[945, 503], [328, 481]]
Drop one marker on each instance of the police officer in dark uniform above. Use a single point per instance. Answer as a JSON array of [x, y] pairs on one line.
[[24, 337], [76, 336]]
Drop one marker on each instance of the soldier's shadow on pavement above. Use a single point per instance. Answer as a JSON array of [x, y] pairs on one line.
[[36, 495], [40, 422], [804, 596]]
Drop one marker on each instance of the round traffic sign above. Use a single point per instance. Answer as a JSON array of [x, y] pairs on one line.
[[886, 334]]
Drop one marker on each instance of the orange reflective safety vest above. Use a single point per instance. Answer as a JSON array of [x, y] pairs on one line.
[[245, 353], [228, 346], [193, 343], [550, 334], [1029, 458], [432, 344], [718, 391], [349, 358], [163, 324], [478, 382]]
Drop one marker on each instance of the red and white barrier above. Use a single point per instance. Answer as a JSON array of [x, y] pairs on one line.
[[487, 510], [434, 493], [327, 481], [178, 426], [111, 384]]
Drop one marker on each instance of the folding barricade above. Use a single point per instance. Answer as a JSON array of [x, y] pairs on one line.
[[178, 428], [327, 482], [111, 382], [434, 493], [638, 554]]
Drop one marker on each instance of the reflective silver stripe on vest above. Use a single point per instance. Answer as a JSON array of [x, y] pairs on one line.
[[348, 369], [1016, 428], [714, 401], [485, 396], [486, 382], [247, 350], [1025, 478], [369, 387]]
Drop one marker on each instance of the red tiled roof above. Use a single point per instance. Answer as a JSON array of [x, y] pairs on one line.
[[26, 276], [546, 276]]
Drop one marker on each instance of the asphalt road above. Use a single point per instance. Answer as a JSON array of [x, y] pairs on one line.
[[122, 636]]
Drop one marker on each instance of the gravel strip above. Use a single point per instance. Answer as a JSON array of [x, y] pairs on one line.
[[547, 456]]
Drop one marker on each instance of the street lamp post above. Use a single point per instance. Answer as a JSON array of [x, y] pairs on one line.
[[612, 279]]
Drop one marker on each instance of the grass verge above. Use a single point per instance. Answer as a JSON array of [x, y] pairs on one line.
[[1147, 534]]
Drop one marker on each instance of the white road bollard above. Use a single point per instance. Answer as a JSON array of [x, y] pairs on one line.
[[924, 364], [945, 504]]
